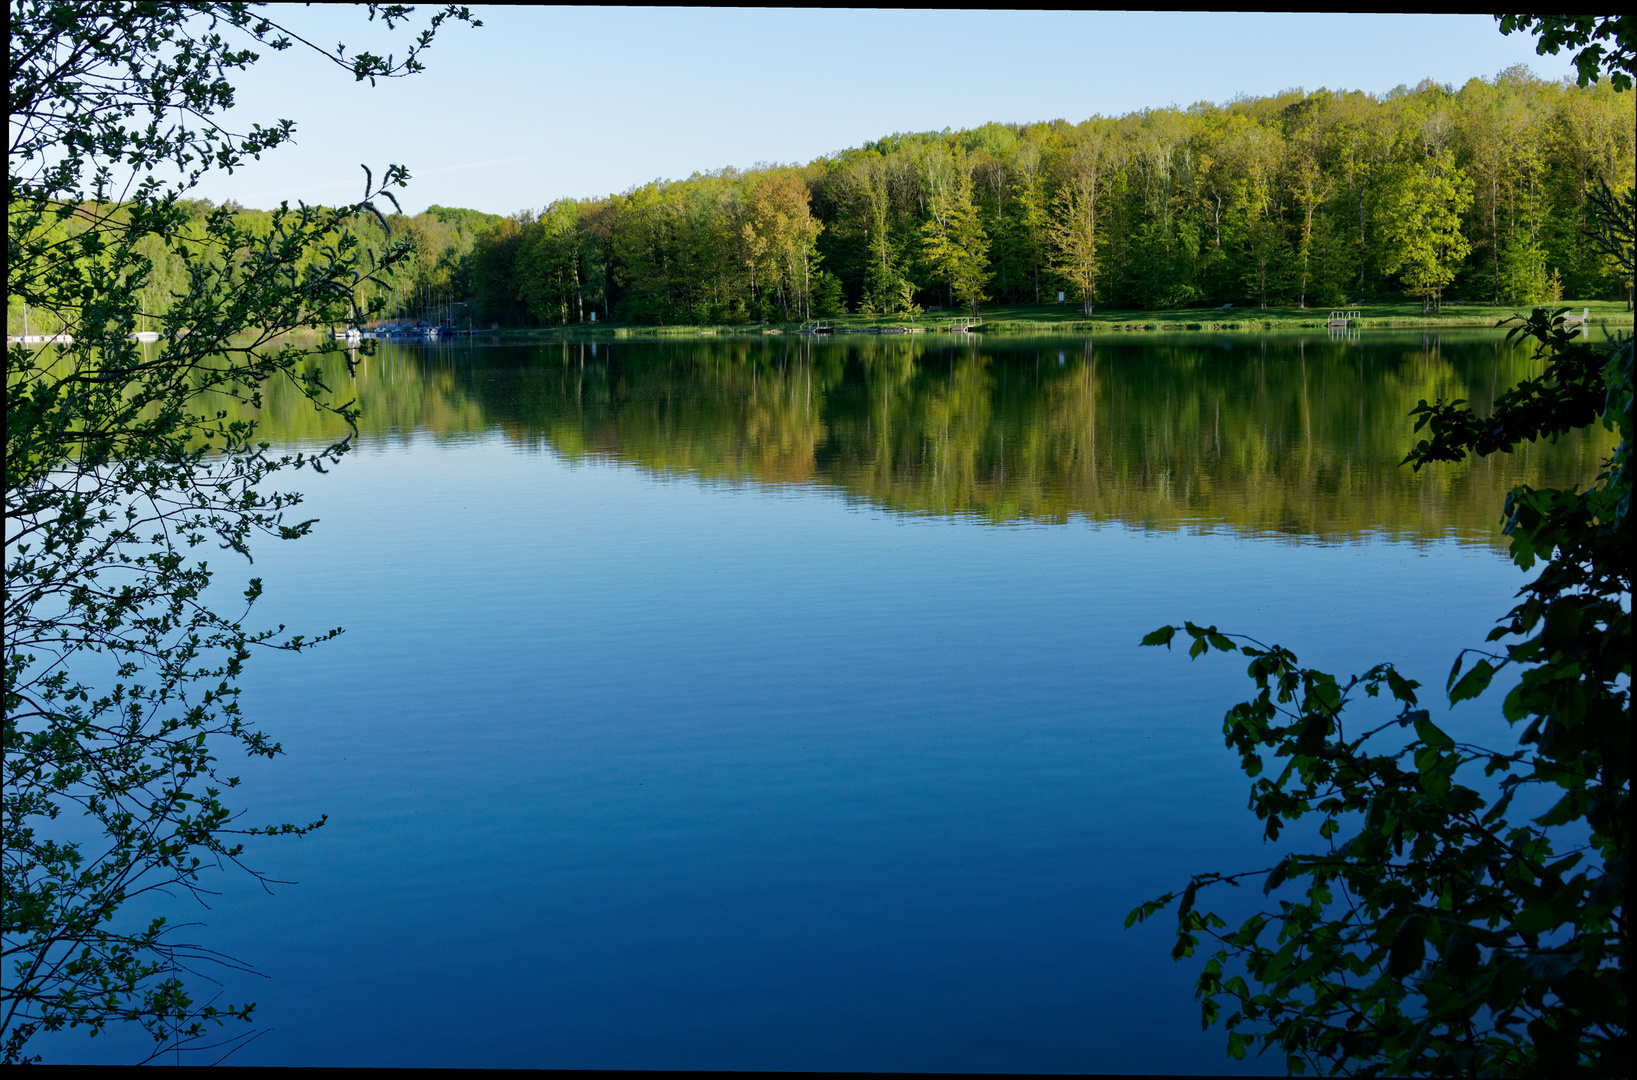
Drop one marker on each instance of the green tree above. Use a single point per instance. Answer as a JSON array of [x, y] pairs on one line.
[[1028, 213], [828, 299], [779, 240], [1260, 211], [955, 243], [1525, 279], [1072, 229], [122, 459], [1445, 936], [1311, 183], [1426, 242], [549, 276], [866, 177]]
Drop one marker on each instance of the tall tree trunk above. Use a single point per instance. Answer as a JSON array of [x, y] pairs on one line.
[[1361, 238]]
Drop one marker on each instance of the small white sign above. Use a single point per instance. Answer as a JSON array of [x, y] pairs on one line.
[[1059, 297]]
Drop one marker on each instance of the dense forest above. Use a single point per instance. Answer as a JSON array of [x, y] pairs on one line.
[[1306, 199]]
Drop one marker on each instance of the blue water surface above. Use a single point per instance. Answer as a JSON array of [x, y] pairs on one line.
[[627, 770]]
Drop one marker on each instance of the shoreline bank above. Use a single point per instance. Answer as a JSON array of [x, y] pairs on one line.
[[1609, 315]]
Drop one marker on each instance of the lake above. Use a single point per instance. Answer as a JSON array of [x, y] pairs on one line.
[[778, 704]]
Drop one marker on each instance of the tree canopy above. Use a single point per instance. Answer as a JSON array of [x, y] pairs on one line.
[[1476, 193], [1297, 198], [124, 457]]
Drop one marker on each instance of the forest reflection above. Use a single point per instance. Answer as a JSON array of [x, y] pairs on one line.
[[1294, 436]]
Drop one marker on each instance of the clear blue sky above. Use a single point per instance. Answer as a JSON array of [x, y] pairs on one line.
[[546, 102]]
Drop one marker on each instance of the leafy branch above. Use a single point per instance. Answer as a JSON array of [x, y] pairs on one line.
[[123, 460]]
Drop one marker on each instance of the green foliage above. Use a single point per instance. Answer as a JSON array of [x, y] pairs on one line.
[[1526, 278], [1072, 228], [779, 240], [1444, 936], [828, 298], [1426, 243], [1586, 34], [1297, 198], [123, 459], [955, 243]]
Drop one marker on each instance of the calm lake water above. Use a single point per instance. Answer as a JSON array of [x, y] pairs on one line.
[[778, 704]]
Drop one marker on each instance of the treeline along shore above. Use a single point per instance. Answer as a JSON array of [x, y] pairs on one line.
[[1303, 201]]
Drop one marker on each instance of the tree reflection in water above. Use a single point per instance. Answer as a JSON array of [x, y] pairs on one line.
[[1283, 435]]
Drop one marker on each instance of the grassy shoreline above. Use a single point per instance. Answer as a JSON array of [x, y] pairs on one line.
[[1069, 320]]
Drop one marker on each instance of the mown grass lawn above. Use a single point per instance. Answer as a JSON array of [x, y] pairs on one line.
[[1069, 319]]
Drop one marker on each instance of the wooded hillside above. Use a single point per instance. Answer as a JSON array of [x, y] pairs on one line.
[[1297, 199]]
